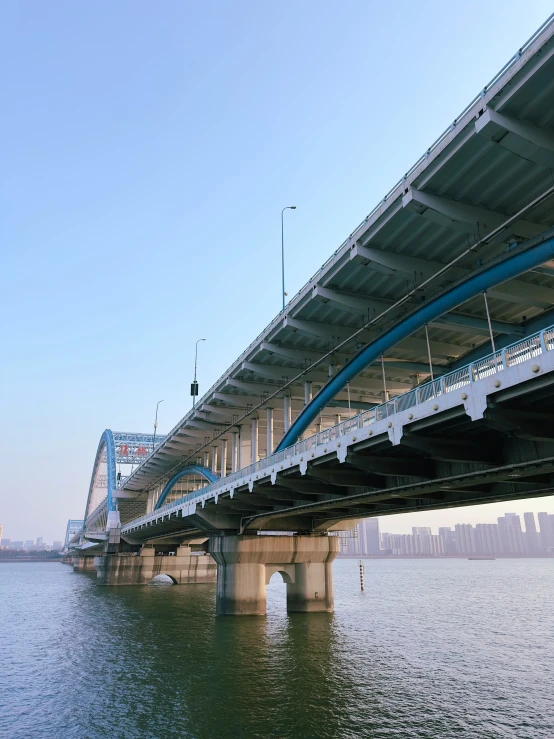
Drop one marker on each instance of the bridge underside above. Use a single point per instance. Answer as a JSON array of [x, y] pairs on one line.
[[440, 461]]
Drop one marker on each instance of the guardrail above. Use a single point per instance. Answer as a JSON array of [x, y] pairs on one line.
[[521, 351]]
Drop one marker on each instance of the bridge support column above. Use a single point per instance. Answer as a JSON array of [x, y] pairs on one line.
[[234, 450], [127, 569], [83, 564], [269, 432], [287, 403], [245, 565], [254, 441]]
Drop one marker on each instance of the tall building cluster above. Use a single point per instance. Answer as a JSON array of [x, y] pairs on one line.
[[505, 538], [31, 545], [420, 541]]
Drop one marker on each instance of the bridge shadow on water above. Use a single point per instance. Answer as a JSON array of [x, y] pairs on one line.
[[195, 675]]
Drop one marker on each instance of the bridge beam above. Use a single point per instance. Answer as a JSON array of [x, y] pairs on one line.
[[447, 450], [519, 137], [525, 424], [389, 466], [463, 216]]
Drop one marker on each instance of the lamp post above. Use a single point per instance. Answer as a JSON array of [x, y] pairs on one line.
[[156, 425], [287, 207], [194, 385]]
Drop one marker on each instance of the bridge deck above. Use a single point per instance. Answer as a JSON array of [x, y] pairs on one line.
[[357, 453]]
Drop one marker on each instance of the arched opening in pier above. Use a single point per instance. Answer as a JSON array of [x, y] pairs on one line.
[[276, 592], [163, 580]]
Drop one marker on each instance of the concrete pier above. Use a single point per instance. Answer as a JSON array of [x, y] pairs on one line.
[[83, 564], [245, 565], [129, 569]]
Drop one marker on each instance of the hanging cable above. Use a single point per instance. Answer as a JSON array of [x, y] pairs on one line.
[[489, 320], [429, 353], [349, 408], [386, 395]]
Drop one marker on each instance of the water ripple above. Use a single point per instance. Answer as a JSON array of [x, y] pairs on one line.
[[433, 649]]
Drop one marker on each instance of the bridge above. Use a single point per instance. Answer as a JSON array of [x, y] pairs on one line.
[[413, 371]]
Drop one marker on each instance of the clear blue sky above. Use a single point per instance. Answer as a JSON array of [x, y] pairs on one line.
[[147, 150]]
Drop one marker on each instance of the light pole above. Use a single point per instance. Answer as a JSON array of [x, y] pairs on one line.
[[287, 207], [156, 425], [194, 385]]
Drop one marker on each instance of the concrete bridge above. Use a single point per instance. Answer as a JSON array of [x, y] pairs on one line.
[[414, 371]]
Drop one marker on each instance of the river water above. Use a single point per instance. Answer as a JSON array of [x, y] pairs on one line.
[[432, 649]]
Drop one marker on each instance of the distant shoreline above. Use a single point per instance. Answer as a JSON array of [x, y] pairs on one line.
[[26, 560], [443, 556]]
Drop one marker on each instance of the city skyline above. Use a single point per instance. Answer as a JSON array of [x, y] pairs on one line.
[[29, 545], [506, 537], [488, 513]]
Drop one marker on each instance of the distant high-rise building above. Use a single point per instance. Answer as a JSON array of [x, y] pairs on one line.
[[465, 538], [422, 539], [395, 542], [408, 544], [448, 540], [512, 519], [1, 532], [531, 539], [363, 539], [57, 546], [487, 539], [546, 529], [368, 533], [511, 536], [437, 546]]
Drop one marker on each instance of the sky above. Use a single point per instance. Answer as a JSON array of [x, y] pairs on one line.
[[147, 151]]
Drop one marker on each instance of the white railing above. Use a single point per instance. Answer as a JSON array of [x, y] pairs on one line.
[[510, 356]]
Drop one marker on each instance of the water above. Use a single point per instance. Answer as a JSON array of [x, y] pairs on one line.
[[432, 649]]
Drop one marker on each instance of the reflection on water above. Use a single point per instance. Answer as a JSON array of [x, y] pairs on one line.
[[431, 649]]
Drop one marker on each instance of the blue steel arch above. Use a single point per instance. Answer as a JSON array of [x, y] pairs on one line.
[[192, 469], [531, 254], [107, 441]]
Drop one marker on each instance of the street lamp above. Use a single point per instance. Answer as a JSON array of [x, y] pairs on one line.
[[287, 207], [194, 384], [156, 425]]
